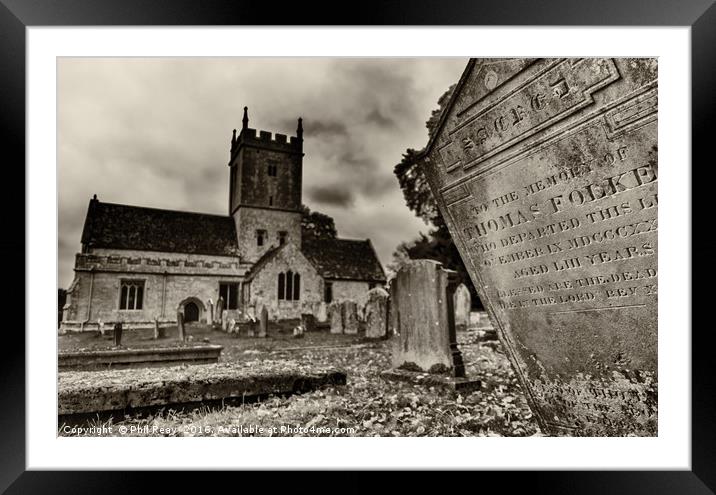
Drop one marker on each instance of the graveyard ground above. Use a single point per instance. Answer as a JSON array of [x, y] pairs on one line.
[[366, 406]]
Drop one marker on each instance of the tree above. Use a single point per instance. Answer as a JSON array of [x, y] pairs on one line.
[[317, 225], [438, 244]]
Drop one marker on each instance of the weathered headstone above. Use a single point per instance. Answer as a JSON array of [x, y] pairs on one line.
[[156, 328], [335, 313], [376, 314], [463, 304], [224, 320], [118, 334], [263, 322], [231, 326], [100, 326], [181, 335], [210, 304], [220, 311], [321, 312], [308, 322], [424, 342], [545, 171], [350, 317]]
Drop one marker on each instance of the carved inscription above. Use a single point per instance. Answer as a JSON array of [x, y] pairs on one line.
[[553, 95], [549, 186], [568, 238]]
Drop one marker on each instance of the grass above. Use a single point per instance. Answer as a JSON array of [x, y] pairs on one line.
[[366, 406]]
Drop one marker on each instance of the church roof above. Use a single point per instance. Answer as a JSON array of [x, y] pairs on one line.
[[117, 226], [344, 259]]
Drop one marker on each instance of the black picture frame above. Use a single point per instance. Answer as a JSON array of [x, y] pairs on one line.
[[16, 15]]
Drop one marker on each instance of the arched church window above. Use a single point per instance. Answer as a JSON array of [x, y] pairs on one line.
[[131, 294], [289, 286], [281, 286], [296, 287]]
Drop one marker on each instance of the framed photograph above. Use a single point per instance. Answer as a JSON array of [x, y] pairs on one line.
[[437, 228]]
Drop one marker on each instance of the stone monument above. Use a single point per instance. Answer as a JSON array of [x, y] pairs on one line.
[[545, 171], [376, 313], [350, 317], [425, 347], [463, 305], [335, 314], [263, 323]]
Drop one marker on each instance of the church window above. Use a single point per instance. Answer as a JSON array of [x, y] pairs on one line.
[[229, 292], [131, 294], [260, 237], [296, 286], [270, 200], [282, 237], [272, 169], [328, 292], [289, 286], [281, 286]]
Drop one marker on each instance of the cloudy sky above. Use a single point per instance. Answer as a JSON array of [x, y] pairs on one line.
[[156, 131]]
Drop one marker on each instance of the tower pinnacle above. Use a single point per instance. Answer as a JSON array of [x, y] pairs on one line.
[[246, 118]]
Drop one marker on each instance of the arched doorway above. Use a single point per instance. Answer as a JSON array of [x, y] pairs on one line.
[[191, 312]]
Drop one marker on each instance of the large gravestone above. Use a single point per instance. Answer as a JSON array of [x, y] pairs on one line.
[[545, 171], [425, 348]]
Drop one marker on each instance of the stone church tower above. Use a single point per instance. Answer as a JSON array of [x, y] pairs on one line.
[[265, 189]]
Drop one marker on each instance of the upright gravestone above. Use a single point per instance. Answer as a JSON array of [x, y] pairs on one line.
[[220, 311], [376, 314], [156, 328], [210, 304], [350, 317], [335, 313], [424, 342], [180, 326], [308, 322], [118, 334], [321, 312], [263, 322], [463, 304], [545, 171]]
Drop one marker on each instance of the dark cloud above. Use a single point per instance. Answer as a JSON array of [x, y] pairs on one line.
[[376, 117], [156, 132], [333, 195]]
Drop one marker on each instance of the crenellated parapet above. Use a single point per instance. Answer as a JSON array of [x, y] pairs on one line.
[[146, 264], [265, 139]]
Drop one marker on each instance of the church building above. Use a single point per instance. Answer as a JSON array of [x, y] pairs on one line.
[[139, 264]]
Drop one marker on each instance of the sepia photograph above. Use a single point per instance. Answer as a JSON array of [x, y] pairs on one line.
[[357, 247]]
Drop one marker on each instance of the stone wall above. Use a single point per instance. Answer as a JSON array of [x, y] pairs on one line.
[[170, 279], [264, 285], [249, 220]]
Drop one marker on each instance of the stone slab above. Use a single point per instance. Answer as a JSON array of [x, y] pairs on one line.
[[545, 171], [445, 382], [82, 392], [134, 358], [423, 339]]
